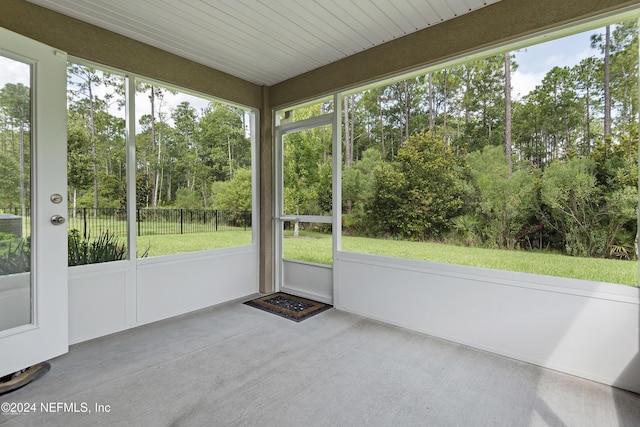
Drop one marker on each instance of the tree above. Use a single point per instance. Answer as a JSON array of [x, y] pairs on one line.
[[79, 163], [624, 82], [187, 198], [222, 146], [234, 195], [556, 114], [10, 182], [507, 110], [156, 96], [587, 77], [505, 200], [482, 102], [303, 154], [15, 103], [446, 84], [348, 130], [85, 79], [589, 218], [91, 94], [605, 47], [186, 154], [357, 189], [416, 196]]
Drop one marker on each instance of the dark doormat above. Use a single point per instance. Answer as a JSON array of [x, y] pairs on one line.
[[289, 306]]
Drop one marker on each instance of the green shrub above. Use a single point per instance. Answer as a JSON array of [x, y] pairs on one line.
[[7, 236], [15, 253], [416, 196], [15, 256], [87, 251]]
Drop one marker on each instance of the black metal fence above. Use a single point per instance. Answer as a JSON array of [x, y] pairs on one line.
[[92, 222]]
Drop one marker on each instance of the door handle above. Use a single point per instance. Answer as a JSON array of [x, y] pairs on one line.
[[57, 220]]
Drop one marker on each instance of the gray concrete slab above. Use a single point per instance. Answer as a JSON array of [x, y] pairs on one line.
[[236, 365]]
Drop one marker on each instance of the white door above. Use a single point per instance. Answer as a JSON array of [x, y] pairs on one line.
[[304, 208], [33, 205]]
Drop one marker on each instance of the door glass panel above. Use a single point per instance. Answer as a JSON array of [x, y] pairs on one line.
[[15, 193], [307, 171]]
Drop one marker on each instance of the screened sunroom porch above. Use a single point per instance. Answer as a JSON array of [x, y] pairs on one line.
[[554, 322]]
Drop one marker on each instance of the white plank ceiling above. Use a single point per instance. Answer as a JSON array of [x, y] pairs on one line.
[[264, 41]]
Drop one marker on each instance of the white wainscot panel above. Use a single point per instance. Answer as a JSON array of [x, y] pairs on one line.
[[588, 329], [308, 280], [169, 286], [98, 300]]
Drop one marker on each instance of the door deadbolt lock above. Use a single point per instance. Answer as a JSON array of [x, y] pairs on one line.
[[57, 220], [56, 198]]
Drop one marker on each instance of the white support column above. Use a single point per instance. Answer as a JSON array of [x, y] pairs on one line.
[[130, 124], [254, 119], [337, 191], [278, 209]]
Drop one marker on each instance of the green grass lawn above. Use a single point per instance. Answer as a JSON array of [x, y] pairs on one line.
[[316, 247], [600, 270], [197, 237], [181, 243], [309, 246]]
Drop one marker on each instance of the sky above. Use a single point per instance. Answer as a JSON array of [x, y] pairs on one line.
[[13, 71], [535, 61]]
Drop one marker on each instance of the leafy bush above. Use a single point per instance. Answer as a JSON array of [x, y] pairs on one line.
[[87, 251], [15, 253], [416, 196], [593, 220], [7, 236], [15, 256], [233, 196], [186, 198], [506, 202], [467, 227]]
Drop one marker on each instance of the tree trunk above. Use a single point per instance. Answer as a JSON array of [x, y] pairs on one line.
[[160, 184], [157, 172], [607, 92], [348, 141], [94, 149], [467, 107], [381, 127], [431, 116], [407, 111], [195, 168], [444, 102], [204, 193], [352, 125], [4, 136], [348, 144], [588, 121], [230, 160], [507, 112], [154, 178]]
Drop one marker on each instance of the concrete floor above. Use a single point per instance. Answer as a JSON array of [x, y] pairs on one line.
[[236, 365]]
